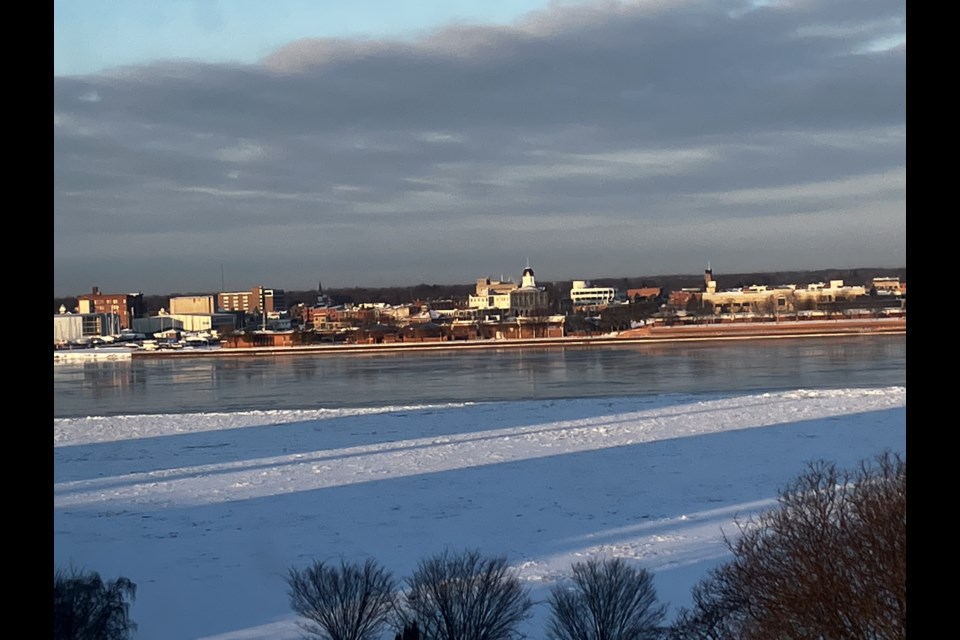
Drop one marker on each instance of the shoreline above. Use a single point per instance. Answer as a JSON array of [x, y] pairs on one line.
[[647, 335]]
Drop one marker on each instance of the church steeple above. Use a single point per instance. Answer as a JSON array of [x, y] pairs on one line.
[[322, 300]]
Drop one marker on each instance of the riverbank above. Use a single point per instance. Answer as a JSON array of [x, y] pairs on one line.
[[96, 353], [644, 335]]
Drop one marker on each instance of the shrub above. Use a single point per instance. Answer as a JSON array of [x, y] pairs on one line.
[[345, 602], [609, 600], [829, 562], [464, 596], [87, 608]]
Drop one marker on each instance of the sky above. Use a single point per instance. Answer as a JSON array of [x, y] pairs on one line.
[[209, 145], [205, 513]]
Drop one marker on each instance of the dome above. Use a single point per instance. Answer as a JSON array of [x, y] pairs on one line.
[[528, 281]]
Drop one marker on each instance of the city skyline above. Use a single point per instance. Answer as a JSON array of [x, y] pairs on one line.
[[595, 139]]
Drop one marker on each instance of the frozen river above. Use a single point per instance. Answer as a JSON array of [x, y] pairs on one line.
[[325, 381]]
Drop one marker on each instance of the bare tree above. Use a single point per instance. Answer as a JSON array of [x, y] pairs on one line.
[[87, 608], [345, 602], [718, 611], [609, 600], [829, 562], [410, 631], [465, 596]]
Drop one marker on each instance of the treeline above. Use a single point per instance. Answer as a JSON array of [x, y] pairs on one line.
[[828, 562], [557, 289]]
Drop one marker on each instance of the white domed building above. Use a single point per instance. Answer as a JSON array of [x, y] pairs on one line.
[[529, 300]]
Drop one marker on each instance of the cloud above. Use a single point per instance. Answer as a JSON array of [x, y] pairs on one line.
[[482, 144], [240, 153], [888, 184]]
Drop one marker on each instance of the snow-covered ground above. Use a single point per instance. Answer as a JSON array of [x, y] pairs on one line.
[[207, 512]]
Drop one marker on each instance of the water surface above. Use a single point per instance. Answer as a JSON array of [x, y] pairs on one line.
[[325, 381]]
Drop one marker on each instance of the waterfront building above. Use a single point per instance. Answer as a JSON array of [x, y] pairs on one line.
[[73, 327]]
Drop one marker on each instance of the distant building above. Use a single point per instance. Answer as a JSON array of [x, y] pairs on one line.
[[67, 328], [126, 306], [889, 286], [261, 339], [253, 301], [529, 299], [158, 323], [709, 284], [492, 294], [192, 304], [192, 313], [584, 295], [243, 301], [521, 328], [644, 294], [272, 300], [71, 327], [760, 298], [508, 298], [194, 322], [505, 311], [681, 299], [321, 317]]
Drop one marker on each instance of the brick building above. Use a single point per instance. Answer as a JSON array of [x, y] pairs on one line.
[[269, 300], [644, 294], [126, 306]]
